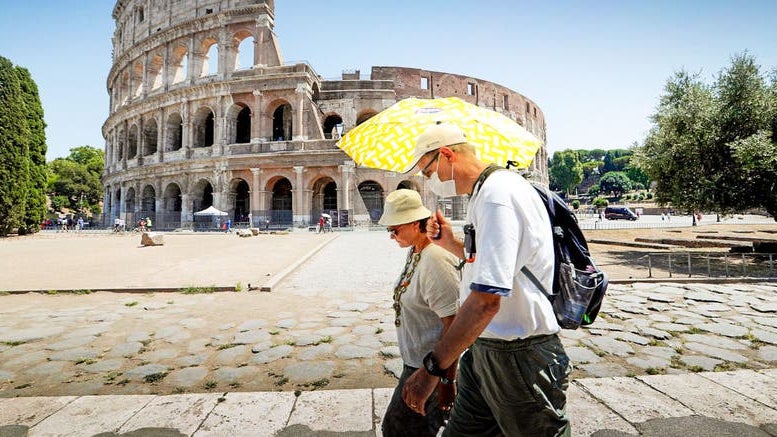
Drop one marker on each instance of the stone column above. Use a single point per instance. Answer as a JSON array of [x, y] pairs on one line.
[[299, 193], [299, 133], [255, 188], [257, 117], [344, 187], [108, 207]]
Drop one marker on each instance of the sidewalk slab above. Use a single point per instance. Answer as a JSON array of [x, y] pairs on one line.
[[90, 415], [334, 410], [632, 399], [588, 415], [750, 383], [248, 414], [711, 400], [31, 411], [183, 412]]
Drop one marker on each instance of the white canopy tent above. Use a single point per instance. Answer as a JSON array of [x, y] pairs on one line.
[[210, 211]]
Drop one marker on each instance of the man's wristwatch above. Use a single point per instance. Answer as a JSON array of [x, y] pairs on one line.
[[432, 367]]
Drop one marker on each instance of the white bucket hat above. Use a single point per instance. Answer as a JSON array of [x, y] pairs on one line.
[[403, 206], [436, 136]]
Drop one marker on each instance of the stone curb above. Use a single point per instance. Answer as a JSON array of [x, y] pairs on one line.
[[278, 277]]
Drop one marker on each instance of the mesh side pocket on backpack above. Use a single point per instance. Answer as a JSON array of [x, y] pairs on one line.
[[576, 287]]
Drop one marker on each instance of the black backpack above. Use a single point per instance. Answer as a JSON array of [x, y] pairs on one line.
[[578, 285]]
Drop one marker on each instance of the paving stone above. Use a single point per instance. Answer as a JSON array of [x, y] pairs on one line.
[[190, 360], [394, 366], [632, 309], [354, 306], [70, 343], [765, 307], [390, 351], [340, 314], [653, 332], [197, 345], [633, 399], [672, 327], [766, 321], [333, 331], [187, 377], [334, 411], [139, 336], [308, 372], [286, 323], [272, 354], [582, 355], [591, 415], [45, 369], [344, 322], [252, 336], [239, 413], [700, 361], [715, 352], [105, 365], [712, 309], [31, 334], [604, 370], [726, 329], [703, 296], [193, 323], [231, 375], [747, 382], [261, 347], [183, 413], [388, 337], [124, 350], [6, 376], [630, 298], [160, 355], [574, 334], [138, 373], [764, 336], [659, 351], [715, 341], [306, 339], [315, 352], [632, 338], [90, 415], [766, 353], [348, 352], [29, 411], [649, 362], [364, 330], [77, 354], [718, 400], [27, 359], [233, 355]]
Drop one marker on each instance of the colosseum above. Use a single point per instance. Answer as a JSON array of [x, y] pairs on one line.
[[205, 112]]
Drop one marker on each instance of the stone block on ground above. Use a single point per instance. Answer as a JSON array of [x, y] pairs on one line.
[[152, 239], [244, 233]]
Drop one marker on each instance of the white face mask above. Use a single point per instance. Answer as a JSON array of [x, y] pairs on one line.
[[440, 188]]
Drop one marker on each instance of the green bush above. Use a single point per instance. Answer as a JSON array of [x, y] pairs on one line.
[[601, 202], [576, 204]]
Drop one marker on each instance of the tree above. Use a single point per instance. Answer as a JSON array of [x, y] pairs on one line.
[[566, 172], [615, 182], [77, 178], [35, 208], [711, 146], [14, 149]]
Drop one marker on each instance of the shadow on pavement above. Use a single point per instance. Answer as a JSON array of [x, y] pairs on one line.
[[305, 431], [693, 426]]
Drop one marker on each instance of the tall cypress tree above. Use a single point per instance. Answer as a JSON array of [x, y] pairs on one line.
[[36, 194], [14, 150]]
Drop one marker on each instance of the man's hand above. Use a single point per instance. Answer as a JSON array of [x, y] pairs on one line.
[[417, 390], [439, 230]]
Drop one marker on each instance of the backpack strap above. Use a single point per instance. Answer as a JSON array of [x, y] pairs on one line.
[[536, 282]]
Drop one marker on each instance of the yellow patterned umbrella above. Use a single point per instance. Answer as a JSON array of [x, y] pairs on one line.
[[387, 140]]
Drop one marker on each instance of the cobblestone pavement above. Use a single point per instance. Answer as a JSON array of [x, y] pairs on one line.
[[329, 324]]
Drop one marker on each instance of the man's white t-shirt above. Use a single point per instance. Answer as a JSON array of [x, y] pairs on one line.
[[512, 230]]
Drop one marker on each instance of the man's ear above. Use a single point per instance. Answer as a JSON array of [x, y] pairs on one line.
[[448, 154]]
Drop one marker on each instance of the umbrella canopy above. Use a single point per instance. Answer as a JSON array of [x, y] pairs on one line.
[[210, 211], [387, 140], [325, 215]]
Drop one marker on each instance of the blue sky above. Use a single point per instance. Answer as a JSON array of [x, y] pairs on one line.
[[596, 68]]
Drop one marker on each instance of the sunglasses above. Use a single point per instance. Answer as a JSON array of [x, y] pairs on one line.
[[393, 231], [429, 164]]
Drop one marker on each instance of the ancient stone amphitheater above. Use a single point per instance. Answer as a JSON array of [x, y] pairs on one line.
[[205, 112]]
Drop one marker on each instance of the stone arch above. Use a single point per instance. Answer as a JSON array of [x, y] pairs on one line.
[[120, 144], [155, 67], [408, 185], [240, 199], [331, 122], [239, 119], [282, 120], [124, 87], [243, 40], [365, 115], [172, 204], [174, 140], [324, 197], [129, 201], [281, 201], [150, 136], [209, 55], [148, 200], [178, 66], [204, 127], [132, 142], [371, 194], [202, 195], [137, 80]]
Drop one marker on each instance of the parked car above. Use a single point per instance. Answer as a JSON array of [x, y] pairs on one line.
[[619, 213]]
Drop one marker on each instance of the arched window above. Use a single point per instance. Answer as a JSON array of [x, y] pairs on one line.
[[243, 126], [132, 139], [372, 194], [137, 80], [281, 123], [210, 57], [150, 136], [245, 54], [330, 125], [174, 139], [365, 115], [178, 66], [155, 72], [203, 128]]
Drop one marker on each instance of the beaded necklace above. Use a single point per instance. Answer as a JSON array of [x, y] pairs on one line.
[[404, 281]]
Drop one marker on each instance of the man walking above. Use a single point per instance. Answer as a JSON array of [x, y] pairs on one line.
[[513, 376]]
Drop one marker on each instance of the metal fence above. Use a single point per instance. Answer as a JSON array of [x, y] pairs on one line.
[[709, 265]]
